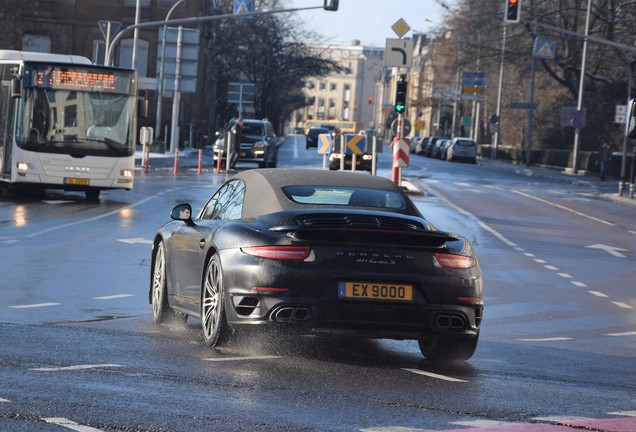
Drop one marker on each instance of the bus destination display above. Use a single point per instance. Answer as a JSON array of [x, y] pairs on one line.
[[81, 79]]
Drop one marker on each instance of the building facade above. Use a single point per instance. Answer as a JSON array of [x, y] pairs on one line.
[[351, 94]]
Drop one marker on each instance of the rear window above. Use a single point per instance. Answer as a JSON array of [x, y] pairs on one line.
[[465, 143], [344, 196]]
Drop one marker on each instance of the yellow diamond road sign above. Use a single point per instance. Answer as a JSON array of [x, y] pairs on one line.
[[400, 27]]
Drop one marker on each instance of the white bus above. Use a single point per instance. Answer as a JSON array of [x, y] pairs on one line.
[[66, 123]]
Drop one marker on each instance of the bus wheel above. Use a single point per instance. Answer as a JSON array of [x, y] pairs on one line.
[[92, 195]]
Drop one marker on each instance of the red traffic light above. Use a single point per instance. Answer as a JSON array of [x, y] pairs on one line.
[[513, 11]]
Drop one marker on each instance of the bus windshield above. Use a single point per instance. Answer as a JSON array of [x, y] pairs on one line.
[[76, 122]]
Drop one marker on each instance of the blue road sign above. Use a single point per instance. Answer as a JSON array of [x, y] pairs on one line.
[[324, 144], [355, 144], [243, 6]]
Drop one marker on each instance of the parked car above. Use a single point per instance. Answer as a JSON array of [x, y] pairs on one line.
[[317, 251], [259, 143], [430, 145], [420, 148], [437, 148], [312, 136], [413, 143], [443, 149], [462, 149]]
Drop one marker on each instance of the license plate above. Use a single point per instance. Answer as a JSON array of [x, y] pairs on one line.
[[243, 154], [375, 291], [77, 181]]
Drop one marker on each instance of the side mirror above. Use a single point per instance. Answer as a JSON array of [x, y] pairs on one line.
[[182, 212], [16, 87]]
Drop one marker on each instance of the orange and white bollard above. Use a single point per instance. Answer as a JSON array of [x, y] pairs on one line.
[[176, 161], [218, 162], [200, 168]]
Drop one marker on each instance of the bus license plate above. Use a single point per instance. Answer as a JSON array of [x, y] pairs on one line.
[[77, 181], [375, 291]]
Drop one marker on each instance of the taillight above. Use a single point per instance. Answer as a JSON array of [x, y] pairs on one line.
[[455, 261], [278, 252]]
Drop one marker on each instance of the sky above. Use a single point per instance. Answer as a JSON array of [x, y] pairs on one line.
[[370, 21]]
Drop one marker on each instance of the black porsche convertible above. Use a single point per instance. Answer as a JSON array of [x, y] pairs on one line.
[[318, 251]]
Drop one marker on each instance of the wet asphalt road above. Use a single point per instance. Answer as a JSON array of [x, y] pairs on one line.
[[80, 351]]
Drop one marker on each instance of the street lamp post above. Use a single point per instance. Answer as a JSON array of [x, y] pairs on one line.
[[579, 105], [160, 83]]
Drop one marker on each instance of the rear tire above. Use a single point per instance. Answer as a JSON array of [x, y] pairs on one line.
[[448, 348], [216, 330]]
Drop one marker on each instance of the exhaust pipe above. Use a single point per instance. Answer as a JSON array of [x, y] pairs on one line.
[[445, 321], [292, 314]]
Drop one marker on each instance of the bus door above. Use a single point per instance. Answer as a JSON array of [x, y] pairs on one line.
[[7, 104]]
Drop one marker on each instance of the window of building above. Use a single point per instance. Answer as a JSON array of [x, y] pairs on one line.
[[333, 86], [332, 103], [323, 85], [311, 85]]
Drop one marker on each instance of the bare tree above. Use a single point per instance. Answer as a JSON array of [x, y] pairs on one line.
[[268, 51]]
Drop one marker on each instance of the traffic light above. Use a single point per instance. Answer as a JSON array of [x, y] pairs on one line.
[[513, 11], [331, 5], [400, 95]]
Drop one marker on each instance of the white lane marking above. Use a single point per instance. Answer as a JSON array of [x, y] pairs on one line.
[[76, 367], [528, 254], [135, 240], [220, 359], [612, 250], [552, 339], [540, 261], [92, 219], [561, 419], [4, 400], [624, 413], [112, 297], [562, 207], [496, 234], [565, 275], [629, 333], [632, 232], [551, 267], [597, 293], [579, 284], [38, 305], [433, 375], [623, 305], [520, 249], [10, 241], [68, 424], [463, 184], [482, 423]]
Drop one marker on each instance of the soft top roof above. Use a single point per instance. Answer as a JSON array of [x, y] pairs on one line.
[[263, 192]]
